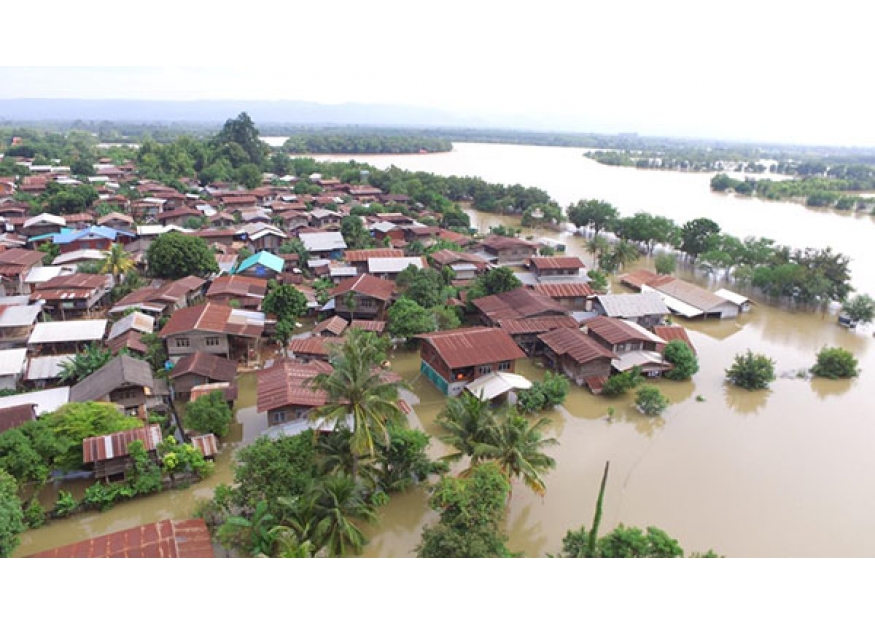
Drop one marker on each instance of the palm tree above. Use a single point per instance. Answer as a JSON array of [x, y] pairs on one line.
[[625, 252], [117, 262], [467, 419], [340, 501], [516, 446], [357, 391], [596, 246]]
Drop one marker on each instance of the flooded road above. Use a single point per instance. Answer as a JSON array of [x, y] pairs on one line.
[[787, 472]]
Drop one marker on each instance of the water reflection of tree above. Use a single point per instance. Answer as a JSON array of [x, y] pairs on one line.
[[745, 402], [643, 424], [522, 525], [826, 388]]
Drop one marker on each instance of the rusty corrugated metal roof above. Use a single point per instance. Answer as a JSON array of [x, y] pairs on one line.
[[537, 325], [210, 317], [557, 262], [165, 539], [335, 325], [97, 448], [672, 333], [469, 347], [519, 303], [565, 289], [575, 344], [616, 331], [208, 444], [287, 383], [205, 364], [366, 284]]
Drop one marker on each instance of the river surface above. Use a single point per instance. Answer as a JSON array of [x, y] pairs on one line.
[[787, 472]]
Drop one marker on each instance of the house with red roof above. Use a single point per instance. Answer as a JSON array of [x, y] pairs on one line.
[[363, 297], [453, 358]]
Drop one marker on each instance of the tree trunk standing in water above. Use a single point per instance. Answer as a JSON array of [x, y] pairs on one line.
[[597, 518]]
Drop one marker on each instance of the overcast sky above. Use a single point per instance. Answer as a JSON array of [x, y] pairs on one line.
[[751, 70]]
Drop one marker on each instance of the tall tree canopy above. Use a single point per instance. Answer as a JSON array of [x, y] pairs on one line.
[[174, 255]]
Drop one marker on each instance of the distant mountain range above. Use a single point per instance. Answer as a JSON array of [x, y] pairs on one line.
[[261, 112]]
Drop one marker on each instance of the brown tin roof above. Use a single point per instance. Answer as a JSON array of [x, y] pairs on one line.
[[468, 347], [207, 365], [575, 344], [517, 304], [98, 448], [287, 383], [366, 284], [557, 262]]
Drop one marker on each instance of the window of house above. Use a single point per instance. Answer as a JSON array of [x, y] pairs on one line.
[[484, 369], [278, 417], [183, 343], [212, 341], [504, 366]]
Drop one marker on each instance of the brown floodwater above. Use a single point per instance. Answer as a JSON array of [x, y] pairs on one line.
[[778, 473]]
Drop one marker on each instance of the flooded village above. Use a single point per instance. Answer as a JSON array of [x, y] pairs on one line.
[[241, 355]]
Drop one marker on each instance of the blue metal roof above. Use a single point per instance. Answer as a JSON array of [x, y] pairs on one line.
[[102, 232], [265, 259]]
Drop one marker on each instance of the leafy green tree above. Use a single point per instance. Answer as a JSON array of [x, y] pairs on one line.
[[145, 475], [466, 419], [544, 395], [268, 469], [623, 253], [295, 246], [404, 462], [650, 400], [516, 446], [622, 382], [209, 414], [11, 515], [51, 251], [860, 309], [424, 286], [118, 262], [835, 363], [471, 511], [597, 246], [84, 363], [666, 264], [598, 280], [249, 175], [445, 318], [72, 423], [20, 458], [684, 360], [751, 371], [597, 214], [286, 302], [252, 536], [174, 255], [242, 133], [65, 504], [498, 280], [407, 319], [354, 233], [631, 542], [356, 390], [697, 236]]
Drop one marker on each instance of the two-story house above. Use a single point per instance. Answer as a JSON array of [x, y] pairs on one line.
[[212, 328], [363, 297]]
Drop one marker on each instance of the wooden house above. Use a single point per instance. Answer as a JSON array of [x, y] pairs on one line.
[[520, 303], [197, 369], [212, 328], [72, 295], [508, 250], [109, 455], [285, 392], [645, 309], [551, 267], [125, 381], [453, 358], [578, 356], [363, 297]]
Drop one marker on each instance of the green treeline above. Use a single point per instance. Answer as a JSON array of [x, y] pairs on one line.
[[357, 143], [817, 191]]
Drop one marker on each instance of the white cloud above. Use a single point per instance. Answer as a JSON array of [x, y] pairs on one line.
[[745, 69]]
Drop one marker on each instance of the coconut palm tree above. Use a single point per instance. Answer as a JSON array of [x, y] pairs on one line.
[[467, 419], [516, 446], [117, 262], [358, 391], [339, 503], [596, 246], [625, 252], [84, 363]]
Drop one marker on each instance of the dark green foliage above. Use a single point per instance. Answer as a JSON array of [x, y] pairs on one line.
[[498, 280], [271, 468], [34, 515], [544, 395], [407, 318], [11, 515], [65, 505], [145, 476], [20, 458], [424, 286], [471, 513], [355, 235], [835, 363], [404, 462], [84, 363], [350, 142], [598, 280], [285, 301], [751, 371], [622, 382], [72, 423], [684, 360], [596, 214], [665, 264], [209, 414], [295, 246], [696, 236], [174, 255], [51, 251], [860, 309], [63, 199], [650, 400]]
